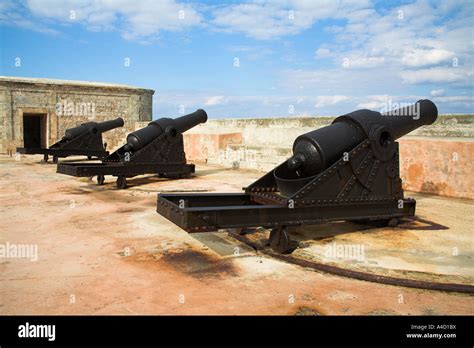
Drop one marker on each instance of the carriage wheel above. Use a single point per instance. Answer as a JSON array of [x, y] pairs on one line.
[[279, 240], [121, 182], [100, 179], [392, 222]]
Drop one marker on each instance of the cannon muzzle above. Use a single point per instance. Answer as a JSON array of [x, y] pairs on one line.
[[186, 122], [315, 151], [405, 120], [141, 137], [109, 125], [93, 127]]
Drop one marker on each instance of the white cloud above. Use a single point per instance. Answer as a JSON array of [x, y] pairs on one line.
[[425, 57], [459, 75], [272, 19], [334, 29], [380, 52], [14, 14], [454, 104], [169, 104], [384, 53], [214, 100], [437, 93], [323, 53], [362, 61], [326, 100], [258, 20], [459, 99], [133, 19], [385, 101], [371, 105], [339, 81], [251, 52], [375, 102]]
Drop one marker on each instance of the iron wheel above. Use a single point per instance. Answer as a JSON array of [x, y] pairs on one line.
[[100, 179], [279, 240], [121, 182]]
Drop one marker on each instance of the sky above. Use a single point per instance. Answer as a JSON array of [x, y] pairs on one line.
[[251, 58]]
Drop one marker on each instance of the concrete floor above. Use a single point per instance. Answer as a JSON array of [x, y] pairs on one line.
[[106, 251]]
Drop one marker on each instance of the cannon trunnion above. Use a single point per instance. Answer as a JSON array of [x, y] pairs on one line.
[[83, 140], [348, 170], [155, 149]]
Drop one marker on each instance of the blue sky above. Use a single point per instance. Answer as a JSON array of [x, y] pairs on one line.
[[251, 58]]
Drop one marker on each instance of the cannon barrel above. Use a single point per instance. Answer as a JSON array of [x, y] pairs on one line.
[[424, 112], [315, 151], [93, 127], [141, 137], [109, 125]]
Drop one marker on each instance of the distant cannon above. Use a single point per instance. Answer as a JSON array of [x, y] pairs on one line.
[[155, 149], [85, 140], [141, 137], [93, 128], [348, 170]]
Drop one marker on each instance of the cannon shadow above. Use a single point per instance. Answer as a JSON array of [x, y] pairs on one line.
[[333, 229]]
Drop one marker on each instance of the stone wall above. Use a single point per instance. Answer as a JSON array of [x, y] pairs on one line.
[[68, 105], [281, 132], [427, 154], [438, 166]]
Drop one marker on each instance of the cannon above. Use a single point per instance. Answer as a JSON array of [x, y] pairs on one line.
[[155, 149], [347, 171], [83, 140]]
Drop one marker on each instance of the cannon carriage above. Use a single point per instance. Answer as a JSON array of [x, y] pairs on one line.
[[155, 149], [347, 171], [83, 140]]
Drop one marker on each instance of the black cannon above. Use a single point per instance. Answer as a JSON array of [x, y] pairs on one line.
[[83, 140], [348, 170], [155, 149]]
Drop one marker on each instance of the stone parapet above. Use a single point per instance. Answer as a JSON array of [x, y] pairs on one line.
[[436, 159]]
